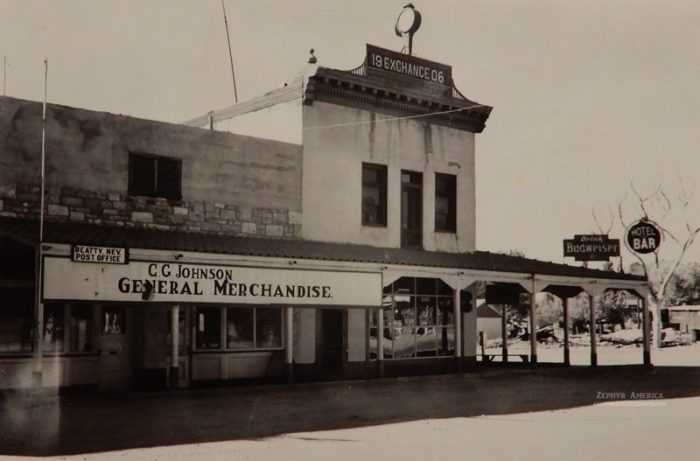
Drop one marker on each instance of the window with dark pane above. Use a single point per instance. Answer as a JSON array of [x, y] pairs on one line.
[[374, 203], [53, 327], [80, 328], [155, 176], [208, 328], [239, 328], [268, 327], [445, 202]]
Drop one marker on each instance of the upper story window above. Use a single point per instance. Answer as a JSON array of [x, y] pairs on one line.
[[373, 194], [155, 176], [445, 202]]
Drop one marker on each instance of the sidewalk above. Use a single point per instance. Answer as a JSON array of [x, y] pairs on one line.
[[105, 422]]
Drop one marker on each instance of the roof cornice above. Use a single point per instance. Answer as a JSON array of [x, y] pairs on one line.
[[393, 95]]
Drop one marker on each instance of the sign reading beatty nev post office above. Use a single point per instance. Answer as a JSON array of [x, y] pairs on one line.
[[93, 254], [139, 281]]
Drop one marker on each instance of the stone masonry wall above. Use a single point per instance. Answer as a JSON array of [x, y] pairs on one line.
[[115, 209]]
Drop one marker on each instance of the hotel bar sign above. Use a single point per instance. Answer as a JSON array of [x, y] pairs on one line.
[[591, 247], [410, 66], [173, 282]]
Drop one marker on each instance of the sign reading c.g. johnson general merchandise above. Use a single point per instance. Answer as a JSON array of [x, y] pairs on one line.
[[408, 65], [140, 281]]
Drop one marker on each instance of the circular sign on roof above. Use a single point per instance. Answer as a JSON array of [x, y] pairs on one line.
[[408, 21], [643, 237]]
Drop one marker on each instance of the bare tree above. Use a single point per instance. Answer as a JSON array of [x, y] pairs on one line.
[[672, 215]]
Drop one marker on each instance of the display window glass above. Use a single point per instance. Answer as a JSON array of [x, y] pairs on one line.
[[246, 328], [418, 320], [113, 320], [239, 328]]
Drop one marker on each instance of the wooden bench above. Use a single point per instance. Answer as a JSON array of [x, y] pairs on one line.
[[489, 358]]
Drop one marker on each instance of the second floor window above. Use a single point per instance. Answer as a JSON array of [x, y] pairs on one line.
[[155, 176], [373, 194], [445, 202]]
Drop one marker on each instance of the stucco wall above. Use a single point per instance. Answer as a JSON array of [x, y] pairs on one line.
[[230, 183], [338, 139]]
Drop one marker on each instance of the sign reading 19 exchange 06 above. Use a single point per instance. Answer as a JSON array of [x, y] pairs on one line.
[[198, 283], [410, 66]]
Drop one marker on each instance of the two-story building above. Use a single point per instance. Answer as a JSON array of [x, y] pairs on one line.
[[323, 230]]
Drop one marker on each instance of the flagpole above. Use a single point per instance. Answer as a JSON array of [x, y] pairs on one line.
[[39, 306], [43, 152]]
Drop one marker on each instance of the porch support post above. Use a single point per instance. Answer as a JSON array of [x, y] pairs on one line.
[[380, 341], [645, 331], [504, 333], [567, 358], [458, 328], [533, 322], [289, 343], [174, 349], [592, 328]]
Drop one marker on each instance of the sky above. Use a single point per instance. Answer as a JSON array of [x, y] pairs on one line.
[[588, 96]]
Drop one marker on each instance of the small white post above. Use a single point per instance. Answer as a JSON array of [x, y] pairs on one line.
[[645, 331], [533, 322], [567, 357], [174, 347], [458, 327], [594, 353], [289, 342]]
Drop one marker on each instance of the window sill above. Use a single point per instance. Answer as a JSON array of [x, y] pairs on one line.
[[451, 232], [237, 351], [380, 226]]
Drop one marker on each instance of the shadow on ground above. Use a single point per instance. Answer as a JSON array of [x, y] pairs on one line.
[[100, 422]]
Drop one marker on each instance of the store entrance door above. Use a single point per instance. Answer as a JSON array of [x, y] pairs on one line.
[[332, 344], [114, 343]]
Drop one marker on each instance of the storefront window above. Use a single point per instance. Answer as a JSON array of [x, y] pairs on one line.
[[420, 321], [16, 318], [268, 329], [80, 328], [208, 328], [247, 328], [239, 328], [53, 327], [113, 320]]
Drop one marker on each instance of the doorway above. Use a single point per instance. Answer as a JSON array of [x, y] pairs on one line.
[[411, 209], [332, 352], [116, 331]]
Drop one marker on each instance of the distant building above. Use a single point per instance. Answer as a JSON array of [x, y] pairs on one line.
[[343, 245], [685, 319], [488, 321]]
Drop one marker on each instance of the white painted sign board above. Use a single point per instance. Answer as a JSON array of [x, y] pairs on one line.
[[140, 281]]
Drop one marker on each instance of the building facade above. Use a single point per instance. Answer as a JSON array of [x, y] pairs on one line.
[[335, 239]]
